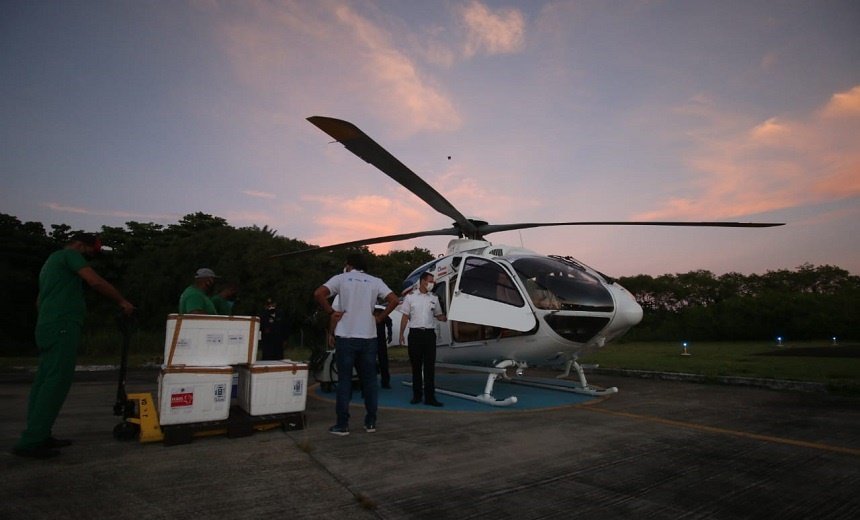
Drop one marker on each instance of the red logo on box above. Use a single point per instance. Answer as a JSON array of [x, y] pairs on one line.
[[178, 400]]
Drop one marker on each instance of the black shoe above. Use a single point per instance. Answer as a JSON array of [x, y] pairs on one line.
[[415, 400], [386, 386], [340, 431], [54, 443], [433, 402], [38, 452]]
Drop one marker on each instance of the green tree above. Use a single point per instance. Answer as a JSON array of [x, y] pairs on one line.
[[25, 247]]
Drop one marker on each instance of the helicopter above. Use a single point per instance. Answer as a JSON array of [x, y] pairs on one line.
[[507, 306]]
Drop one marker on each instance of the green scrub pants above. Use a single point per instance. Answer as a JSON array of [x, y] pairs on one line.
[[58, 351]]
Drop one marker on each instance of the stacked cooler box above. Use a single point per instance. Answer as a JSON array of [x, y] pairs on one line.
[[273, 387], [199, 351], [194, 394]]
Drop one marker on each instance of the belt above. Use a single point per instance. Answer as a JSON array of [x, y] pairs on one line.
[[423, 328]]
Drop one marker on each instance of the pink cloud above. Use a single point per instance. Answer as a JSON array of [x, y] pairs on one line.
[[259, 194], [493, 32], [746, 168], [60, 208], [272, 46], [343, 219], [844, 104]]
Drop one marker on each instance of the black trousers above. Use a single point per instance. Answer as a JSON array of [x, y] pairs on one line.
[[382, 360], [273, 348], [422, 357]]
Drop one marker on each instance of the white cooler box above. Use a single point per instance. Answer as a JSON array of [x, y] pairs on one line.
[[206, 340], [193, 394], [272, 387]]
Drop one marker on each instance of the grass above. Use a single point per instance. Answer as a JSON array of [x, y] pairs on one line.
[[710, 359], [740, 359]]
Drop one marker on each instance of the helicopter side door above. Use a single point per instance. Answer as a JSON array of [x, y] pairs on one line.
[[486, 294], [443, 331]]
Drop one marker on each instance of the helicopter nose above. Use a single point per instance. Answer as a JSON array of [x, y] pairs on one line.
[[630, 312], [627, 311]]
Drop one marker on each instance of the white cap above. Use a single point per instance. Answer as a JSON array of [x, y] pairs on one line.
[[205, 272]]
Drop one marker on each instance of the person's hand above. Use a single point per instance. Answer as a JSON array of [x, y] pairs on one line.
[[402, 341], [127, 307], [330, 341]]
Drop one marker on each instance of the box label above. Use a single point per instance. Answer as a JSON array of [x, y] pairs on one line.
[[214, 339], [298, 387], [182, 399], [235, 339], [220, 392], [183, 343]]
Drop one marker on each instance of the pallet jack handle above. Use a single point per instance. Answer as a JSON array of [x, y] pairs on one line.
[[126, 324]]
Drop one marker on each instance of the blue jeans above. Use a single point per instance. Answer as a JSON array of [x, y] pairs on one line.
[[361, 354]]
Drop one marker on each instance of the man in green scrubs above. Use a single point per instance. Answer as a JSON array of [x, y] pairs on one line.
[[195, 298], [225, 299], [62, 309]]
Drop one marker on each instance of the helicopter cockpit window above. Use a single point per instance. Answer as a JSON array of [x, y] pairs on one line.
[[487, 279], [557, 285]]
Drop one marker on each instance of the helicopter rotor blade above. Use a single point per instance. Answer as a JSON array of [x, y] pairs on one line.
[[372, 152], [486, 229], [376, 240]]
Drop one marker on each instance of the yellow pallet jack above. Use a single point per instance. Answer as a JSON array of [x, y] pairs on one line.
[[141, 422], [140, 418]]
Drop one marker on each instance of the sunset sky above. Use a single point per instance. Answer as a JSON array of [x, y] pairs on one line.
[[515, 111]]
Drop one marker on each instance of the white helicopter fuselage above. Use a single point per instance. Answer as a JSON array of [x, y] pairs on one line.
[[507, 303]]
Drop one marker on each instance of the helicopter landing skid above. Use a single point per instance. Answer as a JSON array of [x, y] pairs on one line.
[[583, 388], [586, 390], [486, 397]]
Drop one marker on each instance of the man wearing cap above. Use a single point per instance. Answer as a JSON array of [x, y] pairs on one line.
[[195, 298], [61, 311]]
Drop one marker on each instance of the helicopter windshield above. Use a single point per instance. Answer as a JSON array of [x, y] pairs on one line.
[[557, 285]]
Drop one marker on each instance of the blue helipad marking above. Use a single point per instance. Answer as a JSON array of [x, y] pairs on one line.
[[528, 397]]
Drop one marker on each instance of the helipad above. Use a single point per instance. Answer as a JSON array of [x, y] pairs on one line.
[[528, 397]]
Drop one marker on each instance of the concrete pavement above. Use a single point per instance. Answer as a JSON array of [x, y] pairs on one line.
[[658, 449]]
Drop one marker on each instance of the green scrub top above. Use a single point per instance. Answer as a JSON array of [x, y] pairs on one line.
[[61, 289], [193, 298]]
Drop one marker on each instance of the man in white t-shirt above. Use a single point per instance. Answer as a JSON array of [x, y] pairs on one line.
[[355, 335], [421, 309]]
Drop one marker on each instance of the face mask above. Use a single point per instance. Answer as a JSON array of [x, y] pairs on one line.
[[430, 286]]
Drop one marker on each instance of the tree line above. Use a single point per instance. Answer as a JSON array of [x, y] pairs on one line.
[[152, 263], [811, 302]]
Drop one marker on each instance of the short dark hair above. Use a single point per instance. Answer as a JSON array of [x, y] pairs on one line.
[[356, 260], [426, 274], [90, 239]]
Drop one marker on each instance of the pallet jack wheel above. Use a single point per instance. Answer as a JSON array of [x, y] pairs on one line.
[[126, 431]]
